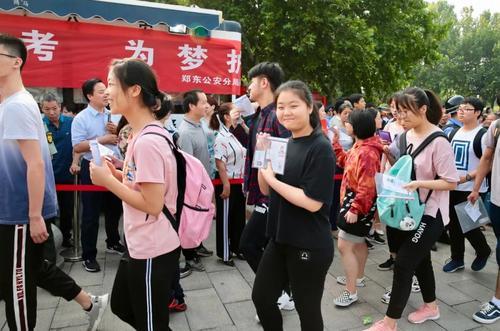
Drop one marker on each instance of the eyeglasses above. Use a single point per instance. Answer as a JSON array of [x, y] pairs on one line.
[[8, 55], [465, 109], [401, 113]]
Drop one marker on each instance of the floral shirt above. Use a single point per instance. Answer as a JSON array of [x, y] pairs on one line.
[[360, 164]]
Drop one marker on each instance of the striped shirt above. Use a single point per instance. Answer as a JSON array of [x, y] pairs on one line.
[[230, 151]]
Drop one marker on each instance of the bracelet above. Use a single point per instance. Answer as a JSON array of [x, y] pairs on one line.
[[468, 177]]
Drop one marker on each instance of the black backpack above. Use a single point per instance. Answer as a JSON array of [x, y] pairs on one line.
[[476, 145]]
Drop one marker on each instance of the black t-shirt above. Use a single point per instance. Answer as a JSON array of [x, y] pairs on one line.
[[310, 163]]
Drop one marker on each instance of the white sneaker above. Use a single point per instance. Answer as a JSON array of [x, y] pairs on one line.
[[99, 304], [346, 299], [415, 286], [360, 282], [387, 295], [285, 302]]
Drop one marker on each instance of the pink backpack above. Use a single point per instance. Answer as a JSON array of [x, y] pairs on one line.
[[195, 209]]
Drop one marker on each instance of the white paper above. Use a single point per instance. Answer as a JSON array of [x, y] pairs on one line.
[[275, 153], [244, 104], [391, 187], [473, 211], [99, 151], [105, 151], [96, 155], [393, 184], [259, 159]]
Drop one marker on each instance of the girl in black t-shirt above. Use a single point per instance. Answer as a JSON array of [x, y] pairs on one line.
[[300, 248]]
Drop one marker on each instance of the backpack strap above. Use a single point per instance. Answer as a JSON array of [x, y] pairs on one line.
[[477, 146], [181, 179], [419, 149], [403, 144], [430, 138]]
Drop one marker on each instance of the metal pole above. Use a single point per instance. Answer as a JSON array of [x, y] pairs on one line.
[[74, 254]]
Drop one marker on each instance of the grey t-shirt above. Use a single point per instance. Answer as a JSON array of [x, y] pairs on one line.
[[495, 171], [193, 140]]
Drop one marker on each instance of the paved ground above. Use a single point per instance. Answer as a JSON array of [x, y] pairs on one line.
[[220, 298]]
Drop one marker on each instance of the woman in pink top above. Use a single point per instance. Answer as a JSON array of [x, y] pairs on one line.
[[148, 182], [434, 170]]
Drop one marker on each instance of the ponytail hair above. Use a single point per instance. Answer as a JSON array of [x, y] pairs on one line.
[[218, 116], [413, 98]]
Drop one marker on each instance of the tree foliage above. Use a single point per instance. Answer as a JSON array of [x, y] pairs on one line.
[[337, 46], [470, 56]]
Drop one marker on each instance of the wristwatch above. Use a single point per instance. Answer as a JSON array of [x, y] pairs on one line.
[[468, 178]]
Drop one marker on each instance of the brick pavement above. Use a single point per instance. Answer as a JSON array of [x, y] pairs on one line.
[[220, 298]]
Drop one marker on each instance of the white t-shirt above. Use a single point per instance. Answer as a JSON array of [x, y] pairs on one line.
[[465, 157], [20, 119]]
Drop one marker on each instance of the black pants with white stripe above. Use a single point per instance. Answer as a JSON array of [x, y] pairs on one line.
[[230, 221], [142, 291], [22, 270]]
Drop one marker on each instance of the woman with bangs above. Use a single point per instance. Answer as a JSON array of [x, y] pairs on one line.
[[435, 176], [300, 248]]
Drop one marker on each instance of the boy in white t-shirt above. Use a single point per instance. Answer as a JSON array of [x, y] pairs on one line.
[[468, 144], [27, 199]]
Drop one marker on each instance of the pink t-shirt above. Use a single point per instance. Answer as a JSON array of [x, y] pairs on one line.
[[149, 159], [437, 158]]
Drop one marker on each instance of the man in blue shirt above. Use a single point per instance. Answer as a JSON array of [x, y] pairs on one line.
[[94, 122], [60, 128]]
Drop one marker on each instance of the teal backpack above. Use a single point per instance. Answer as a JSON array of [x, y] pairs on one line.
[[400, 213]]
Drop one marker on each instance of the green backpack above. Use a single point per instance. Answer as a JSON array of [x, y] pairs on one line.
[[398, 212]]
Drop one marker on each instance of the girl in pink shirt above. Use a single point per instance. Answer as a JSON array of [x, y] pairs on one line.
[[434, 170], [141, 290]]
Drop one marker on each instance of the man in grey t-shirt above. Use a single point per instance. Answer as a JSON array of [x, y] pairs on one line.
[[490, 312], [193, 140]]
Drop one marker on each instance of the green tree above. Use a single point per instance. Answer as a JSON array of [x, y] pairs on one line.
[[337, 46], [470, 56]]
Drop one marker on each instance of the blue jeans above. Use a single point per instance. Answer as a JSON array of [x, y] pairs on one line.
[[495, 222]]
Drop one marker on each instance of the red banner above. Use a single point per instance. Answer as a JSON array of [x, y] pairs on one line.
[[65, 54]]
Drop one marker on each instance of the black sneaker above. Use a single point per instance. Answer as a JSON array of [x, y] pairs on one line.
[[368, 244], [115, 249], [91, 266], [229, 263], [375, 238], [186, 271], [387, 265], [203, 252]]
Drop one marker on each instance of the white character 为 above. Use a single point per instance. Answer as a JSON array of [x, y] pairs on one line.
[[140, 52]]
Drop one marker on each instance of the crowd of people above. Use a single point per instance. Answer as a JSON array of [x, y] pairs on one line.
[[327, 193]]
